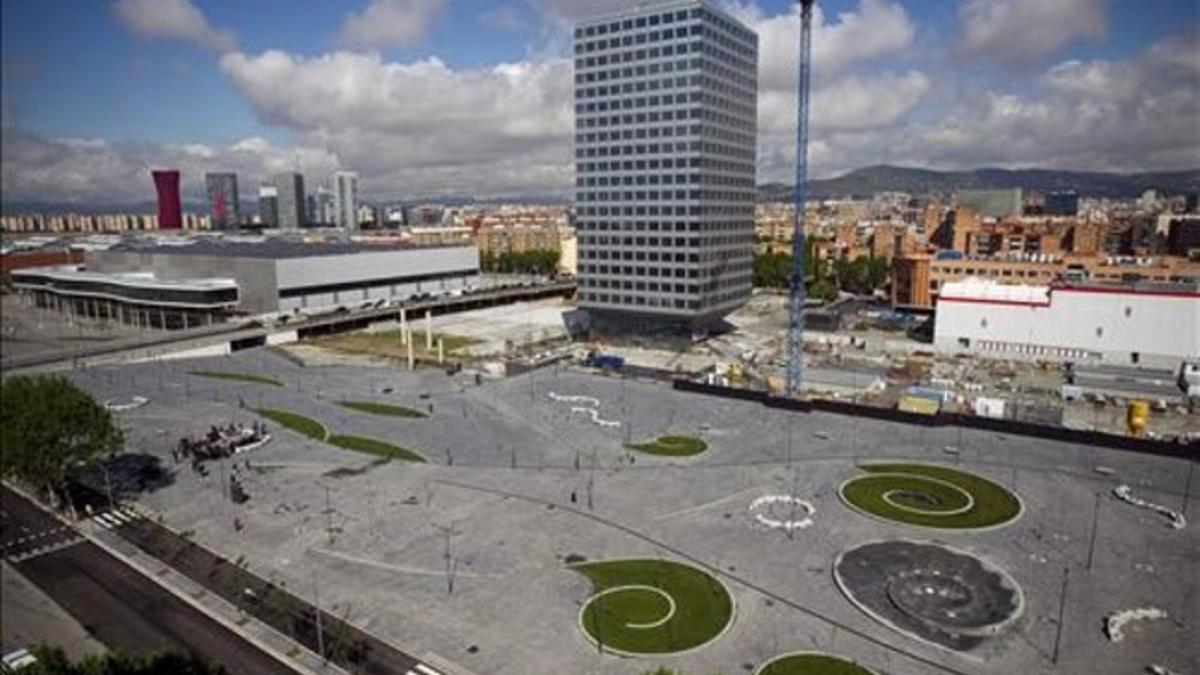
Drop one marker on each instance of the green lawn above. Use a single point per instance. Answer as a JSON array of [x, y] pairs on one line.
[[298, 423], [385, 409], [387, 343], [993, 503], [812, 664], [375, 447], [672, 446], [237, 377], [632, 620]]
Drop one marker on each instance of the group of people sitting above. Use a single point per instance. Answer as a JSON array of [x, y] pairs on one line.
[[218, 443]]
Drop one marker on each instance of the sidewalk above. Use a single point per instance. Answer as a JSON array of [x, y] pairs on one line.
[[30, 617], [261, 634]]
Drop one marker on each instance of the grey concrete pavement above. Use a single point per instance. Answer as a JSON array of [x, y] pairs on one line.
[[505, 460]]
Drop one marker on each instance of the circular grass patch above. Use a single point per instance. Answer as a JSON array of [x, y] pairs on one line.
[[811, 663], [653, 606], [930, 496], [672, 446]]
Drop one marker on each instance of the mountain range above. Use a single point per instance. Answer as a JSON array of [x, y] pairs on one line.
[[874, 179], [858, 183]]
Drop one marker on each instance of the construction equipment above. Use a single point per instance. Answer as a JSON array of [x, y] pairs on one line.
[[1138, 417], [798, 293]]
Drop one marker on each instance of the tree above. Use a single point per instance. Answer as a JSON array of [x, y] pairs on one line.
[[49, 429], [772, 270], [52, 661], [824, 290]]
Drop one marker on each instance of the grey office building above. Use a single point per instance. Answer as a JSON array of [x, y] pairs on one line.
[[268, 206], [665, 126], [223, 207], [292, 204]]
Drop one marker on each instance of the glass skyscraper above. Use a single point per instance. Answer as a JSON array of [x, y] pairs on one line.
[[224, 210], [292, 204], [665, 135]]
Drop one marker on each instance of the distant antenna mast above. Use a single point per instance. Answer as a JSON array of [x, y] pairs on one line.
[[798, 294]]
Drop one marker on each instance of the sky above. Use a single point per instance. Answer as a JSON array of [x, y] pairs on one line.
[[473, 97]]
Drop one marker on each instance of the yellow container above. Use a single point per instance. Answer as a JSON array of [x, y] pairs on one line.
[[1139, 417]]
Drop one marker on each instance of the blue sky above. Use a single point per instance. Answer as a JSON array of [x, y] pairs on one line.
[[409, 92]]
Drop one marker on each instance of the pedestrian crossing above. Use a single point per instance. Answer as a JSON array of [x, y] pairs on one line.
[[29, 546], [115, 518], [45, 549], [422, 669]]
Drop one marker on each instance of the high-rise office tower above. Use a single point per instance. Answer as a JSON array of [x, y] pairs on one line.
[[665, 126], [312, 214], [268, 205], [170, 208], [224, 209], [345, 197], [326, 205], [292, 204]]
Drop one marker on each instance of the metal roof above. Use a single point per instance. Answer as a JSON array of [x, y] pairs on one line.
[[271, 249]]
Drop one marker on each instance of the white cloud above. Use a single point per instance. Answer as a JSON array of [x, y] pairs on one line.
[[1098, 115], [421, 126], [876, 29], [1027, 30], [173, 20], [95, 171], [390, 23]]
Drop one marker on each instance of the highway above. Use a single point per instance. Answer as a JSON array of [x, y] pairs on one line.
[[118, 605]]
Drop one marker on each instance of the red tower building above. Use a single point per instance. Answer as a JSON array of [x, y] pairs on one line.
[[170, 210]]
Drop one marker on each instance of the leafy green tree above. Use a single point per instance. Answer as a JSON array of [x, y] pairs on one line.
[[772, 270], [537, 261], [52, 661], [878, 270], [824, 290], [49, 428]]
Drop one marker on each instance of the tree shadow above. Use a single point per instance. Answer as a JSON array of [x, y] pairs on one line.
[[127, 475]]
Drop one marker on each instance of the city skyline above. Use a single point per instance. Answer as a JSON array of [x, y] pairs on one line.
[[941, 85]]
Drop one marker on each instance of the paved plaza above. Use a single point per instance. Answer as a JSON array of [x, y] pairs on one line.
[[518, 482]]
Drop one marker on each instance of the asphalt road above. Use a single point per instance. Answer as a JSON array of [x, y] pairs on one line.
[[118, 605]]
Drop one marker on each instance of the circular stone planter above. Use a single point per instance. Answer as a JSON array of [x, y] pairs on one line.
[[811, 663], [931, 592]]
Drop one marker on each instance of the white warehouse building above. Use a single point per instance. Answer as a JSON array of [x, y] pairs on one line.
[[1148, 324]]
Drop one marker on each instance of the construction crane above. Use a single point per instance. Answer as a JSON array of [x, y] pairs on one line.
[[798, 293]]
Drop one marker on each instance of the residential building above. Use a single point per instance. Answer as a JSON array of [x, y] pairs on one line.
[[291, 201], [1062, 204], [992, 203], [223, 207], [918, 279], [1183, 235], [665, 122]]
